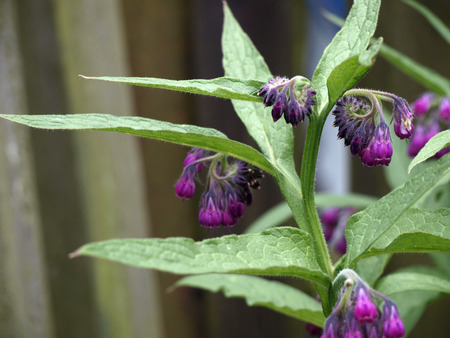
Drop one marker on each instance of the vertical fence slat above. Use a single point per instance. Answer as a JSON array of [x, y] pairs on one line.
[[24, 303], [110, 172]]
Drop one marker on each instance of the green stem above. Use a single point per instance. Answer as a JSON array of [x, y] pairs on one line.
[[307, 177]]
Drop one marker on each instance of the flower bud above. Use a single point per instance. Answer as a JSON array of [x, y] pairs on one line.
[[393, 326], [422, 104], [444, 110]]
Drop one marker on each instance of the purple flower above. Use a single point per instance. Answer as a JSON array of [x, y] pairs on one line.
[[185, 187], [365, 311], [228, 190], [379, 149], [292, 98], [393, 326], [334, 221], [422, 104], [403, 116], [355, 314], [444, 110]]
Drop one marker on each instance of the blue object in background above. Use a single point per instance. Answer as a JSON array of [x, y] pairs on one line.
[[333, 166]]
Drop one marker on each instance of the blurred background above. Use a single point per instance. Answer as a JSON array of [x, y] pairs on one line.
[[60, 190]]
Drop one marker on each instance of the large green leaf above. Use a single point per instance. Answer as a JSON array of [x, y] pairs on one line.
[[189, 135], [350, 41], [392, 225], [275, 252], [261, 292], [224, 87], [436, 143], [437, 23], [242, 60], [417, 230], [351, 71]]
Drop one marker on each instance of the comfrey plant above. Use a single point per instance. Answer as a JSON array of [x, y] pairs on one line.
[[354, 300]]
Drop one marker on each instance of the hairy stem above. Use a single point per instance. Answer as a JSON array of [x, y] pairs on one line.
[[308, 172]]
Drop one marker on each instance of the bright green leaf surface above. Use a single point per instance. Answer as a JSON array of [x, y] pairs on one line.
[[242, 60], [261, 292], [436, 143], [275, 252], [224, 87], [348, 73], [281, 212], [417, 230], [188, 135], [371, 230], [351, 40], [426, 76], [437, 23]]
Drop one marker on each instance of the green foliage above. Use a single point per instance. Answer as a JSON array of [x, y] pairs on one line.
[[261, 292], [392, 225], [349, 72], [274, 252], [241, 59], [436, 143], [224, 87], [183, 134], [351, 40]]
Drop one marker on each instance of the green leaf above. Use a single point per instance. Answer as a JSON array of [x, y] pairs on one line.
[[441, 260], [348, 73], [396, 173], [224, 87], [351, 40], [242, 60], [261, 292], [359, 201], [371, 268], [417, 230], [281, 212], [410, 281], [275, 216], [392, 225], [275, 252], [436, 143], [426, 76], [411, 302], [183, 134], [432, 19]]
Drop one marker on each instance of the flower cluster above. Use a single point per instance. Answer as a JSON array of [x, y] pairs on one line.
[[361, 123], [334, 221], [432, 114], [228, 186], [292, 98], [357, 315]]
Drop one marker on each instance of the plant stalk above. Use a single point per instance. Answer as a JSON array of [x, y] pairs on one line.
[[307, 177]]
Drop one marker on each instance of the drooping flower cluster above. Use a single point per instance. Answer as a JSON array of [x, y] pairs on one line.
[[361, 123], [334, 221], [356, 313], [432, 115], [228, 186], [292, 98]]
